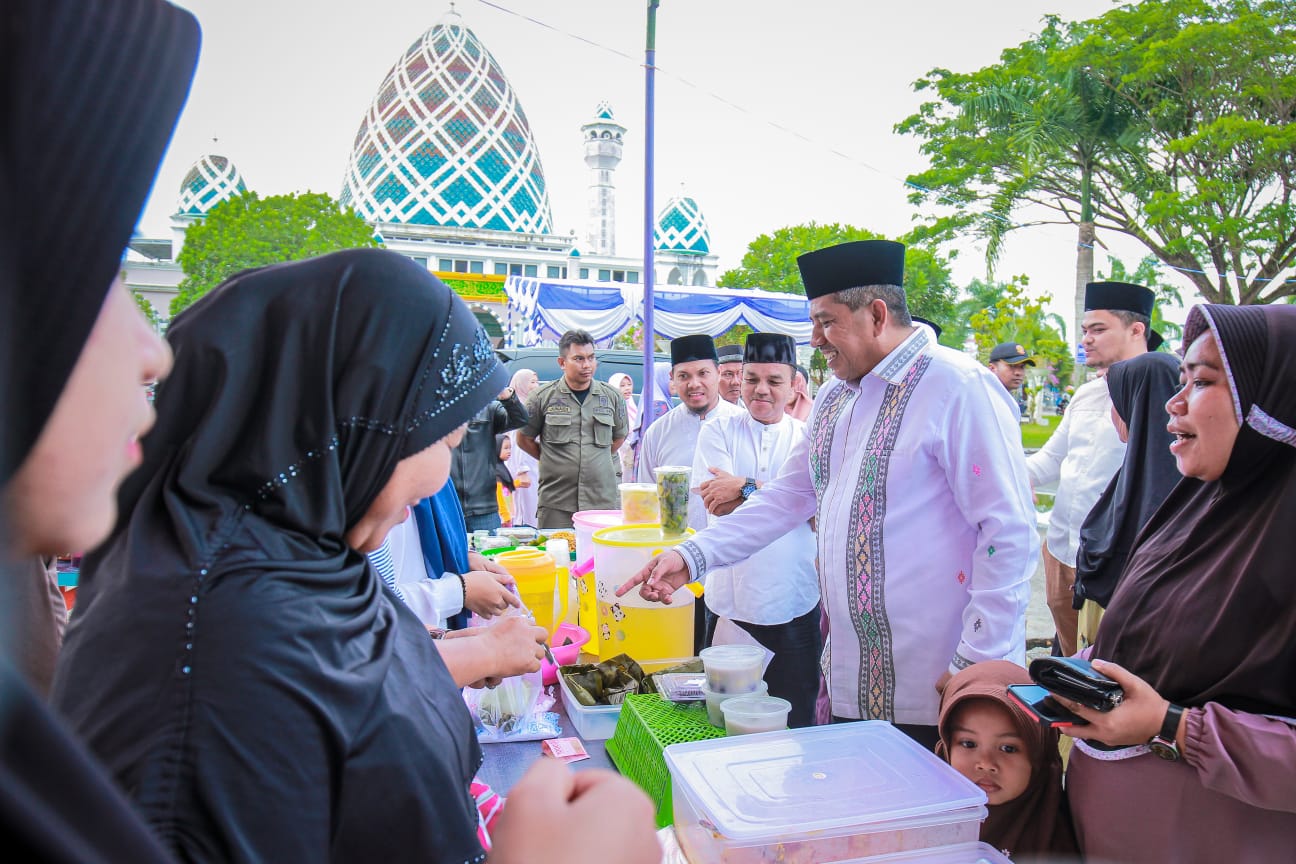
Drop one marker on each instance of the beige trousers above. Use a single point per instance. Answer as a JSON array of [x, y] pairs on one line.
[[1058, 580]]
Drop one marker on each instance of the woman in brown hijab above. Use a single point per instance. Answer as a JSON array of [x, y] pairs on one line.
[[1197, 763], [993, 742]]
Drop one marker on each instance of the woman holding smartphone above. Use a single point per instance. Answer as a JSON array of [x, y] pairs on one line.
[[1196, 763]]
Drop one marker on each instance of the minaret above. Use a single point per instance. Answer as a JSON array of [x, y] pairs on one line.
[[602, 154]]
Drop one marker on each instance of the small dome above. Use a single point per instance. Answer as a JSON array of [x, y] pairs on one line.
[[682, 229], [603, 111], [446, 142], [211, 180]]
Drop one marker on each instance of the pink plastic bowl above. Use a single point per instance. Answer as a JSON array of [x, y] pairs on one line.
[[566, 655]]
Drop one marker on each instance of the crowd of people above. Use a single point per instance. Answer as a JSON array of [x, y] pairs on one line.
[[248, 673]]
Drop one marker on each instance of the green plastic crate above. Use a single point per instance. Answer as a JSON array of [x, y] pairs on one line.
[[648, 725]]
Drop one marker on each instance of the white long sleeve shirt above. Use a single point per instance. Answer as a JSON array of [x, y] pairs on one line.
[[927, 536], [1081, 456], [672, 440], [432, 600], [779, 582]]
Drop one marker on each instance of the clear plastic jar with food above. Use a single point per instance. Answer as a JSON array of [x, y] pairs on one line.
[[673, 497], [639, 503]]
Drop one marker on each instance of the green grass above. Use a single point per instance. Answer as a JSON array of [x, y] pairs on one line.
[[1034, 435]]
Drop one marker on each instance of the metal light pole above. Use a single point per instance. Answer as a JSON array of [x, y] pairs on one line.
[[649, 376]]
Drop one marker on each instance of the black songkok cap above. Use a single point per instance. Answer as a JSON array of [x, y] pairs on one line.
[[1124, 297], [1121, 296], [936, 328], [850, 265], [686, 349], [770, 348], [730, 353]]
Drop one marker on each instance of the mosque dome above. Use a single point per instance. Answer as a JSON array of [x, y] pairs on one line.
[[446, 142], [210, 180], [682, 229]]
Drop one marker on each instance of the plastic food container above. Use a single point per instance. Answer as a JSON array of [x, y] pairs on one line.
[[826, 793], [714, 700], [673, 493], [746, 715], [639, 503], [733, 668], [961, 853], [598, 722], [644, 629]]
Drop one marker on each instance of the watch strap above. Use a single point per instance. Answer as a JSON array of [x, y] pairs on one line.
[[749, 487], [1170, 725]]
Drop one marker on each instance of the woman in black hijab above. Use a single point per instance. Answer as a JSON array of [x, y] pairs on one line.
[[89, 94], [234, 660], [1140, 388], [1203, 622]]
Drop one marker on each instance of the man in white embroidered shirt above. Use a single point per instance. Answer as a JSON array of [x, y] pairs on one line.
[[1084, 452], [773, 595], [926, 532]]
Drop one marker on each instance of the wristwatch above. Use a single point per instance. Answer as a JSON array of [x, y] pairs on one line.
[[1163, 743], [748, 488]]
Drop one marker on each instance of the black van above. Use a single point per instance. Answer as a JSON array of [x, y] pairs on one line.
[[544, 362]]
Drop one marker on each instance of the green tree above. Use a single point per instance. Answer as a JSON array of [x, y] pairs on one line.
[[1148, 272], [976, 296], [770, 264], [1016, 317], [147, 309], [248, 231], [1191, 103], [1028, 130]]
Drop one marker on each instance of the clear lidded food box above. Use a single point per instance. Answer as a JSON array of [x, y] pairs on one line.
[[826, 793]]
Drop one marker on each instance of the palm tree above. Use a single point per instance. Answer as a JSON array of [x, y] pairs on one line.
[[1058, 123]]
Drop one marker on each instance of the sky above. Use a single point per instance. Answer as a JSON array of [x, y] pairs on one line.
[[767, 113]]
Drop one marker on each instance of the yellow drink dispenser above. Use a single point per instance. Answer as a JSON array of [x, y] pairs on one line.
[[644, 629]]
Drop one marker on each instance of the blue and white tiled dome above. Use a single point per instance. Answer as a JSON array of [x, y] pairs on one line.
[[446, 142], [210, 180], [682, 229]]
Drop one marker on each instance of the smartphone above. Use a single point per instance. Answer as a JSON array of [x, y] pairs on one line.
[[1041, 703]]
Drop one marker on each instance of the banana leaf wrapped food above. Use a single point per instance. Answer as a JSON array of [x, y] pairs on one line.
[[605, 683], [609, 682]]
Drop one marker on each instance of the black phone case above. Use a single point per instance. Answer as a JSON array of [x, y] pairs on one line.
[[1075, 679]]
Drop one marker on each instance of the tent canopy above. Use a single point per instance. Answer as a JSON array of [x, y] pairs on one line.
[[550, 307]]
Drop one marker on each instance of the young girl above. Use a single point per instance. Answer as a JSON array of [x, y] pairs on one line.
[[1014, 758]]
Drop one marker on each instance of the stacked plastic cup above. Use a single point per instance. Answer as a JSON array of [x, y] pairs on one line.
[[731, 671]]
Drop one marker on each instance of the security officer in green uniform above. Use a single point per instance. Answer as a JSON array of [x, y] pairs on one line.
[[575, 425]]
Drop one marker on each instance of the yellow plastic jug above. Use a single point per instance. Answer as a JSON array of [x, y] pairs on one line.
[[537, 580], [644, 629]]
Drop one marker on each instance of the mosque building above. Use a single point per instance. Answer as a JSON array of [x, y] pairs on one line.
[[446, 170]]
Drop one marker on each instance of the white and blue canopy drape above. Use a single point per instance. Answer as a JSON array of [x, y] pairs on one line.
[[550, 307]]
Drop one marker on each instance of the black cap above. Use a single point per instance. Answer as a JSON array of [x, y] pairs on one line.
[[1011, 353], [686, 349], [730, 353], [936, 328], [1124, 297], [1121, 296], [805, 373], [850, 265], [770, 348]]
